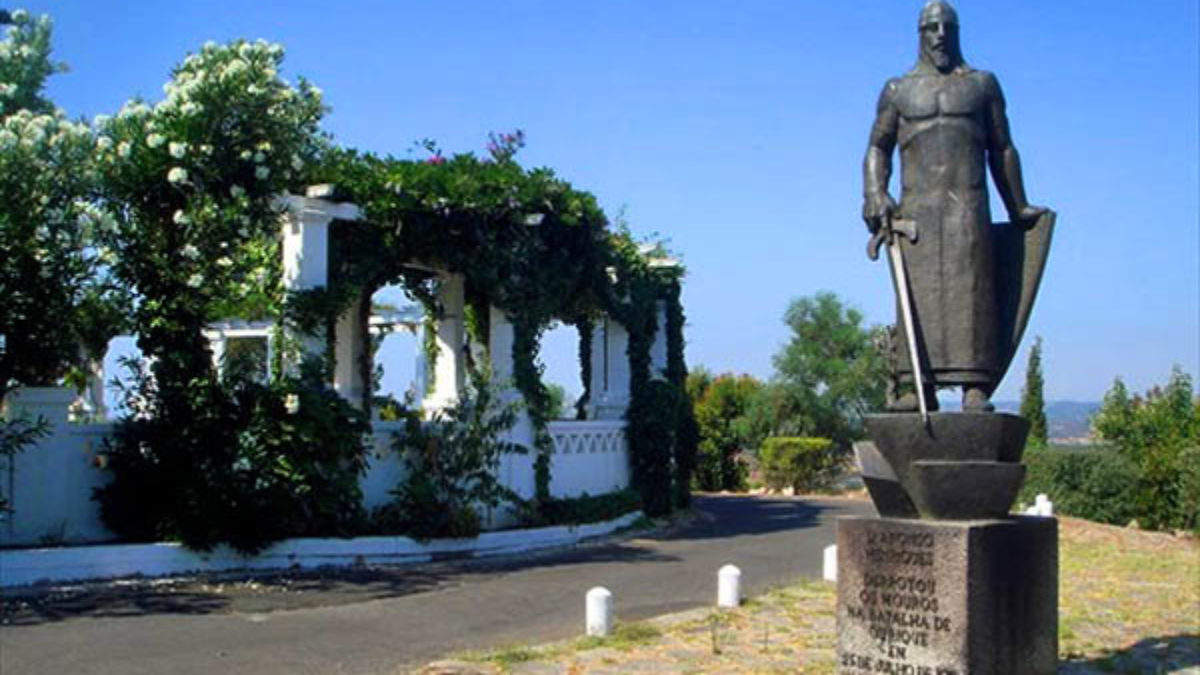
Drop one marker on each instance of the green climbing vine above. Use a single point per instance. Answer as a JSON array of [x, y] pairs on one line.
[[687, 432], [525, 242]]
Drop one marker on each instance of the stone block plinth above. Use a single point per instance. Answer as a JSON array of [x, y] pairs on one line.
[[947, 597]]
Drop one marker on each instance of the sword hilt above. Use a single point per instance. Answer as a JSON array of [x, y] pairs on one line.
[[886, 233]]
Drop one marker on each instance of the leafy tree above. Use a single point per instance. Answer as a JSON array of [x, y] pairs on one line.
[[1033, 406], [828, 376], [721, 406], [56, 301], [1160, 433]]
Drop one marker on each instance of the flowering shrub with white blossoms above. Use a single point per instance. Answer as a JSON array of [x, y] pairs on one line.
[[195, 178], [197, 175], [50, 278], [25, 64]]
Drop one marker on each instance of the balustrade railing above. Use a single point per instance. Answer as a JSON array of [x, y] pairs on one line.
[[578, 437]]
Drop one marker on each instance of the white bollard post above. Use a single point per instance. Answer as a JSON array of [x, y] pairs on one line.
[[729, 586], [599, 612], [829, 569]]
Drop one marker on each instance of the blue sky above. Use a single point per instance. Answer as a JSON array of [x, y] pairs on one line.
[[736, 130]]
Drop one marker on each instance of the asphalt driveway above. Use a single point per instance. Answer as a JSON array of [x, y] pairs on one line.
[[381, 619]]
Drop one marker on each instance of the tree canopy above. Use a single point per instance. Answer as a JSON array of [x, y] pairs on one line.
[[829, 375]]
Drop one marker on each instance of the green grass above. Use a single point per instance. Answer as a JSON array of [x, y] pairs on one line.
[[507, 658], [625, 636]]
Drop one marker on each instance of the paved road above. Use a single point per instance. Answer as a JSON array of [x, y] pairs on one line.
[[378, 623]]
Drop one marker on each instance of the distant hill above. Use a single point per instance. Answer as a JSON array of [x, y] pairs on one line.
[[1068, 420]]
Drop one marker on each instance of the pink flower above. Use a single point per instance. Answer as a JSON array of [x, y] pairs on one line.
[[436, 159]]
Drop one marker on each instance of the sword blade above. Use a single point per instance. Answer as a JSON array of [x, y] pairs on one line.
[[902, 293]]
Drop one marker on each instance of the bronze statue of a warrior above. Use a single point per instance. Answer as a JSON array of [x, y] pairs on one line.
[[971, 282]]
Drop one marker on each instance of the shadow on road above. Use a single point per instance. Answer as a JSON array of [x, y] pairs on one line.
[[718, 516], [287, 590], [738, 515]]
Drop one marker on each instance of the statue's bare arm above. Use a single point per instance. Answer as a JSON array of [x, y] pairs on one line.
[[878, 205], [1004, 161]]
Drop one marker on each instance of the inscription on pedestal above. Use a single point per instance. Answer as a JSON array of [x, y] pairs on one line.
[[947, 597], [899, 607]]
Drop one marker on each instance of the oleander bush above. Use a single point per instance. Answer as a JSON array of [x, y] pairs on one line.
[[257, 464], [58, 306]]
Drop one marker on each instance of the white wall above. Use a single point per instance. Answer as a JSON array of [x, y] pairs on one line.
[[589, 457], [50, 486], [52, 482]]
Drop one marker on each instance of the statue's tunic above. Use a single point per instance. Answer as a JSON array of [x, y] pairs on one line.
[[942, 126]]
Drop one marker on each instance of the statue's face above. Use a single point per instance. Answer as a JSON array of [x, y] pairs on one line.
[[939, 43]]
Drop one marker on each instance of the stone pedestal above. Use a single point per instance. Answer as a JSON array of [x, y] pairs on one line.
[[947, 597]]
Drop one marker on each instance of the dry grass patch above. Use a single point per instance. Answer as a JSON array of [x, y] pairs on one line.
[[1129, 602]]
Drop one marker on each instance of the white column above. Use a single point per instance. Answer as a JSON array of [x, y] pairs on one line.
[[598, 374], [421, 365], [217, 344], [658, 350], [348, 353], [610, 370], [516, 470], [450, 369], [306, 249], [91, 400], [500, 344]]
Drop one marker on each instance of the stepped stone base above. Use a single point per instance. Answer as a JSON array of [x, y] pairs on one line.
[[947, 597]]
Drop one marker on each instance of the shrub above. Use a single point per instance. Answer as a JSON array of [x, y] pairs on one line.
[[1158, 432], [453, 461], [651, 433], [1188, 486], [256, 464], [590, 509], [720, 405], [801, 463], [1099, 484]]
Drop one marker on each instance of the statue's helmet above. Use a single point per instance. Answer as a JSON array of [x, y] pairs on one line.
[[938, 10]]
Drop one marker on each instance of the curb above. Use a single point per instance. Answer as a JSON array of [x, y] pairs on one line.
[[27, 567]]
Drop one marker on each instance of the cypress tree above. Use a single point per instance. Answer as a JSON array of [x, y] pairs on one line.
[[1033, 405]]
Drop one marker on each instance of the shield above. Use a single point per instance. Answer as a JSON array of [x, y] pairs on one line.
[[1020, 261]]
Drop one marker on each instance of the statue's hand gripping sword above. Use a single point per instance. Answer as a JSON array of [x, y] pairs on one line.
[[886, 234]]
